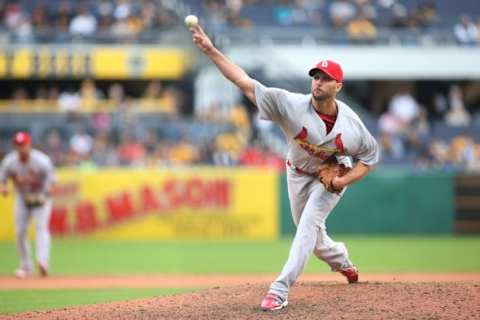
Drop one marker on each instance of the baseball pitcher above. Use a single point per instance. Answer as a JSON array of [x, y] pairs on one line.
[[324, 134], [32, 174]]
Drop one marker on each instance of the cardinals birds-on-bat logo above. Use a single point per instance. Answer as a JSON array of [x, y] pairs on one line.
[[323, 151]]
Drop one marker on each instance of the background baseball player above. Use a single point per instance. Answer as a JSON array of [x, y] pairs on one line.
[[322, 132], [32, 173]]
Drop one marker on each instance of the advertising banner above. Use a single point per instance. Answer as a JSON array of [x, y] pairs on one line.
[[190, 203]]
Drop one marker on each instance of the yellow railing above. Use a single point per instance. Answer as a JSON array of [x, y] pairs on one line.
[[166, 105]]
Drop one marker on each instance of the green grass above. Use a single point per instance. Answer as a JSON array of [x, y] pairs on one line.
[[371, 253], [14, 301], [86, 257]]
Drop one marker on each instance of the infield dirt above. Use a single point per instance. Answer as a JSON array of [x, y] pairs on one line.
[[375, 297]]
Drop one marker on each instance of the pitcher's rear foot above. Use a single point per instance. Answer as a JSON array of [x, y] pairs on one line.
[[351, 273], [273, 302]]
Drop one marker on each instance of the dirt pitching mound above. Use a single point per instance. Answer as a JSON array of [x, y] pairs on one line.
[[308, 300]]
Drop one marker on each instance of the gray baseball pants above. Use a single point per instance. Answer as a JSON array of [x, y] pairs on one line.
[[310, 204], [23, 216]]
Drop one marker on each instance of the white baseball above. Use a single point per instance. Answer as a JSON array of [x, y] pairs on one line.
[[191, 20]]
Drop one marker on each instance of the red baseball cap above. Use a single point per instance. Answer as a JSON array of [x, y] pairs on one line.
[[331, 68], [21, 138]]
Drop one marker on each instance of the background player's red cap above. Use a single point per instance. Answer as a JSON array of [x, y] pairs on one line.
[[21, 138], [329, 67]]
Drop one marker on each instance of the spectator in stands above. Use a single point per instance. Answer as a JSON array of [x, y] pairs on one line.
[[457, 115], [127, 28], [234, 18], [61, 20], [227, 149], [89, 95], [17, 21], [116, 96], [259, 155], [103, 151], [20, 99], [391, 132], [366, 9], [240, 120], [55, 148], [440, 106], [400, 126], [291, 14], [176, 99], [462, 152], [475, 165], [100, 122], [426, 15], [165, 17], [216, 12], [130, 151], [81, 143], [105, 16], [69, 101], [183, 152], [439, 153], [150, 140], [84, 23], [39, 18], [404, 107], [400, 18], [465, 31], [41, 94], [416, 137], [361, 29], [148, 13], [156, 98], [53, 93], [341, 12]]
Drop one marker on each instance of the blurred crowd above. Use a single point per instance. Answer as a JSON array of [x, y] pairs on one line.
[[110, 128], [94, 136], [359, 19], [88, 97], [63, 19], [106, 123], [172, 141], [407, 134], [126, 20]]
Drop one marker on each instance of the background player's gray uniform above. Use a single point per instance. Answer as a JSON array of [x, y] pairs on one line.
[[309, 145], [32, 177]]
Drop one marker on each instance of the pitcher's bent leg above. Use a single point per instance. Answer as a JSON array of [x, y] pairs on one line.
[[335, 254]]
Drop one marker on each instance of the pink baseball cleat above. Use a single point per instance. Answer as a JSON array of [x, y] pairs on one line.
[[351, 273], [273, 302]]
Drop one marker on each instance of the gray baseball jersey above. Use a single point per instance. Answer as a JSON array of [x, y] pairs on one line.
[[308, 142], [34, 176], [309, 145]]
